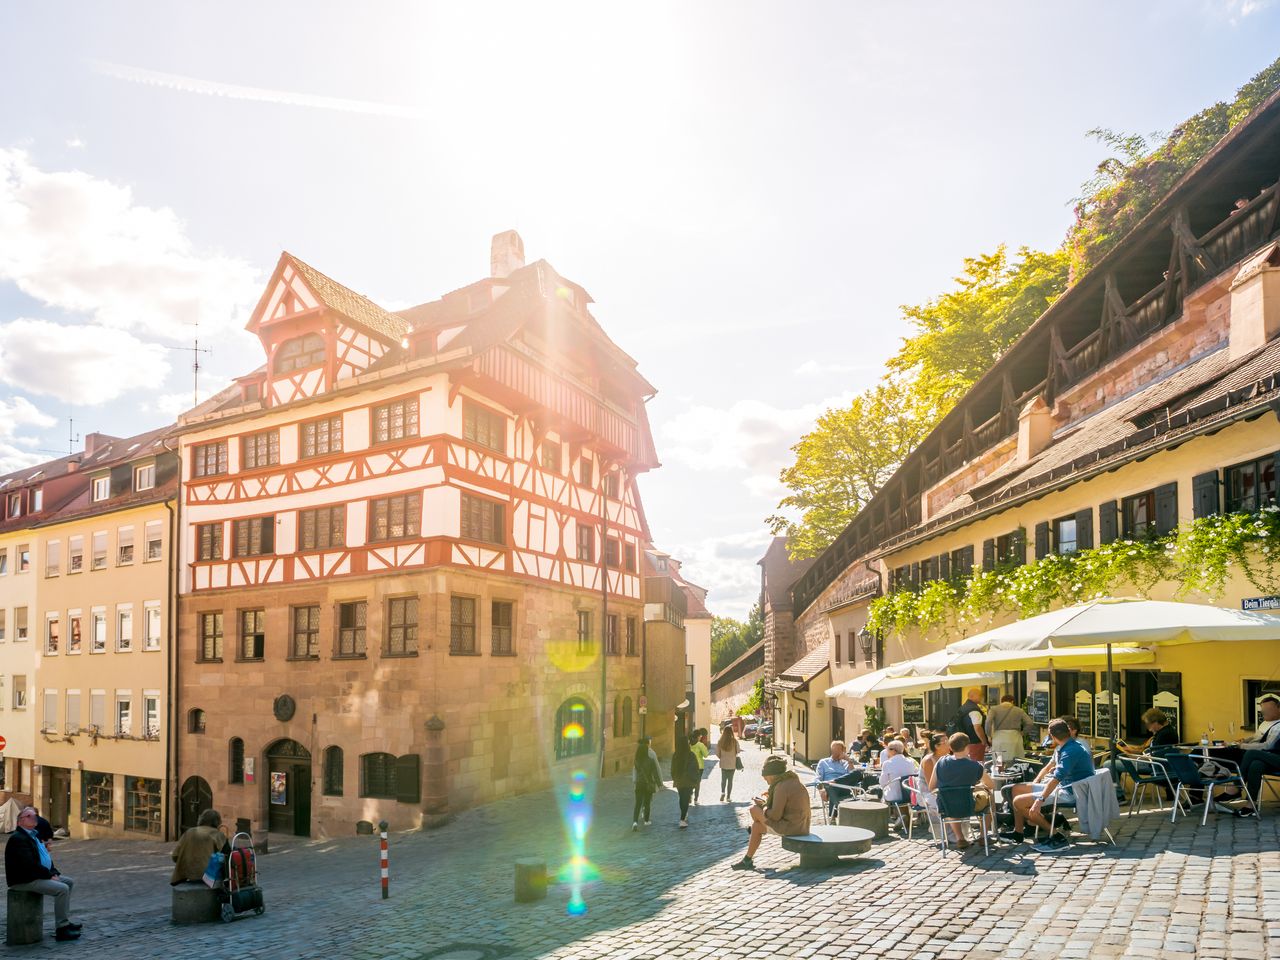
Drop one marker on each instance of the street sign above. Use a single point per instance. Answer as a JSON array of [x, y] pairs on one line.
[[2, 742]]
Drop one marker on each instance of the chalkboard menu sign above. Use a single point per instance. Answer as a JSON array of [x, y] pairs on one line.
[[1040, 706], [1084, 714], [913, 711], [1104, 725]]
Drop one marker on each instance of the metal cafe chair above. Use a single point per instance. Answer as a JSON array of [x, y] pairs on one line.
[[956, 805], [1071, 805], [1145, 771], [1185, 770]]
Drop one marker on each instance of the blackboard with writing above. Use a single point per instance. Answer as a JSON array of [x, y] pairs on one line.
[[1040, 706], [1104, 727], [1084, 713], [913, 711]]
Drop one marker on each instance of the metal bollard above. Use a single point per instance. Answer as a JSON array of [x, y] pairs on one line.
[[386, 876]]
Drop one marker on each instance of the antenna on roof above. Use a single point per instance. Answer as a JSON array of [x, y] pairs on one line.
[[72, 437], [195, 350]]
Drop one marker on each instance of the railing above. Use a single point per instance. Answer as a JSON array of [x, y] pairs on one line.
[[1085, 357], [1238, 234]]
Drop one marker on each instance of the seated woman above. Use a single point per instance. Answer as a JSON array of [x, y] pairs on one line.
[[196, 846], [1162, 736]]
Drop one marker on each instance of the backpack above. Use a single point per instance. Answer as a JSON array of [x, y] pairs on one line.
[[961, 723]]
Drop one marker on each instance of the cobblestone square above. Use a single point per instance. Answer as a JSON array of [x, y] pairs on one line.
[[1164, 891]]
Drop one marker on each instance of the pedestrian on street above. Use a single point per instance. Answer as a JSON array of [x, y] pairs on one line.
[[701, 750], [28, 867], [784, 809], [647, 777], [727, 752], [685, 772]]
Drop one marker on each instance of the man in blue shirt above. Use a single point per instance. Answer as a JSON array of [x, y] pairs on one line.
[[28, 867], [1071, 764], [836, 767]]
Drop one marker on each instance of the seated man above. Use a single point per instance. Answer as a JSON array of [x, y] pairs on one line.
[[1071, 763], [28, 867], [960, 772], [892, 770], [784, 809], [836, 768], [196, 846]]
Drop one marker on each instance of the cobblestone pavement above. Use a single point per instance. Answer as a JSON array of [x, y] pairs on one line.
[[1164, 891]]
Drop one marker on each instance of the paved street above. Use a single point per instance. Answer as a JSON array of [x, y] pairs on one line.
[[1166, 891]]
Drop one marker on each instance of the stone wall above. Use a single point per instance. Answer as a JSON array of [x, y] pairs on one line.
[[726, 700], [499, 712]]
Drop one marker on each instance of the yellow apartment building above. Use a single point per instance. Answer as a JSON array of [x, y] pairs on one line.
[[101, 631]]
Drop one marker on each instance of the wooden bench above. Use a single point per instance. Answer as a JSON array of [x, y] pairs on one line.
[[824, 846], [24, 919]]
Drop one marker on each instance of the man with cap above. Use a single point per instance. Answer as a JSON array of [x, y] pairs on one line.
[[784, 809]]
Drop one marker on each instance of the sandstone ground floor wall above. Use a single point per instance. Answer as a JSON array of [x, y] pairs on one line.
[[326, 741]]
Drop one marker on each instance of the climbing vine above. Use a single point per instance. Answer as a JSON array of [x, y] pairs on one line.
[[1199, 560]]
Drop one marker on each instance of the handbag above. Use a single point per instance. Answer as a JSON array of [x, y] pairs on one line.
[[737, 763], [213, 871]]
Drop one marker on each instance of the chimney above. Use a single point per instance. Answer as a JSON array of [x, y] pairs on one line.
[[506, 254], [96, 441], [1035, 428], [1255, 303]]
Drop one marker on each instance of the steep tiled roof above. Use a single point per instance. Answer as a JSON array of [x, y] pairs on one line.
[[798, 675], [360, 310]]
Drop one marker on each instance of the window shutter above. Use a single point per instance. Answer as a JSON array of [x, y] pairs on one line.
[[1107, 522], [408, 789], [1018, 544], [968, 560], [988, 554], [1166, 509], [915, 576], [944, 566], [1042, 540], [1084, 529], [1204, 495]]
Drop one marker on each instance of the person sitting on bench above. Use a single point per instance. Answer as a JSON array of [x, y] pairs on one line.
[[784, 809], [29, 868], [196, 846]]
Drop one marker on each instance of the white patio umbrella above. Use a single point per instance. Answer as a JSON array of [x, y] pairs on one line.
[[1050, 656], [913, 686], [859, 687]]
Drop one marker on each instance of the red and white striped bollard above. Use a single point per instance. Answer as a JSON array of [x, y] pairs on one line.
[[386, 876]]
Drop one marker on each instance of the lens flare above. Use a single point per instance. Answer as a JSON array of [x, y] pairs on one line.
[[571, 656], [573, 731], [577, 870]]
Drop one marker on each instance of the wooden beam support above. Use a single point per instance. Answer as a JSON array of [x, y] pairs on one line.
[[1181, 227]]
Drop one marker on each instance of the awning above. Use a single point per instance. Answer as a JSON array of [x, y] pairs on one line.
[[1070, 657], [912, 686]]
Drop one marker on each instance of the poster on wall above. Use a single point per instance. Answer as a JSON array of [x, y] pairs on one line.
[[279, 788], [248, 769]]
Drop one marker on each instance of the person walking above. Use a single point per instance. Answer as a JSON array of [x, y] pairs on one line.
[[685, 772], [727, 752], [647, 777], [701, 750]]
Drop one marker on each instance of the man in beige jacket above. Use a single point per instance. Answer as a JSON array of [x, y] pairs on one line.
[[784, 810]]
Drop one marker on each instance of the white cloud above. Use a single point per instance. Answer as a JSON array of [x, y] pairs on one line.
[[81, 243], [812, 368], [75, 143], [1237, 10], [172, 404], [79, 364], [751, 436], [184, 84], [15, 414], [726, 566]]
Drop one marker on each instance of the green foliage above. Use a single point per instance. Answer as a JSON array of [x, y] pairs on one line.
[[844, 461], [1199, 559], [731, 638], [874, 720], [752, 706], [960, 334], [1128, 184]]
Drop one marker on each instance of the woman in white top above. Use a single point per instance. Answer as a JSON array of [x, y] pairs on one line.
[[893, 767], [938, 748], [727, 751]]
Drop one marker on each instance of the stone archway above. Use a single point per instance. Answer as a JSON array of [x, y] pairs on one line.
[[288, 788]]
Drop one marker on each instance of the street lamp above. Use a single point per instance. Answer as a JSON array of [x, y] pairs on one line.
[[867, 641]]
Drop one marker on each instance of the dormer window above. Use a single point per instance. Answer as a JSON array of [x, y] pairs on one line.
[[300, 353], [37, 499], [101, 488], [144, 477], [15, 504]]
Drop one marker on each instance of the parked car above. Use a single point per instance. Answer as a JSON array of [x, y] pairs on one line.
[[749, 731]]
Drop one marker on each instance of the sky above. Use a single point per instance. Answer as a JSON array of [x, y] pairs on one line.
[[749, 190]]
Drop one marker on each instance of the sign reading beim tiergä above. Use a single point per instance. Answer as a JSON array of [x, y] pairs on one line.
[[1260, 603]]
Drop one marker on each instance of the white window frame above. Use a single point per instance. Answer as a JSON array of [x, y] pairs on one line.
[[124, 698], [75, 552], [150, 611], [124, 539], [71, 726], [26, 692], [4, 624], [53, 558], [22, 633], [147, 473], [98, 616], [150, 707], [147, 540], [66, 635], [98, 698], [101, 489], [124, 616], [50, 619], [50, 706]]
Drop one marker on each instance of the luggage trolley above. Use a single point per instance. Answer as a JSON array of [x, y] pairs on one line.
[[240, 892]]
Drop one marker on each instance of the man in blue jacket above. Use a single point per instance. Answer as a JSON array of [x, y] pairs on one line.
[[28, 866]]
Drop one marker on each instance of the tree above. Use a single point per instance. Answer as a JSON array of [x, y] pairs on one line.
[[961, 333], [1125, 187], [844, 461], [731, 638]]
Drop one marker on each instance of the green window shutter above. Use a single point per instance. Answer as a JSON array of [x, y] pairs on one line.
[[1166, 509], [1204, 495], [1084, 529], [1107, 522], [988, 554], [1042, 540]]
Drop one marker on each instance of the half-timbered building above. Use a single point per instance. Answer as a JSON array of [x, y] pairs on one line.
[[411, 546]]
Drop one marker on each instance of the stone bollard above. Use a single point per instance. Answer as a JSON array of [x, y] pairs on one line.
[[193, 902], [870, 815], [435, 769], [259, 838], [24, 919], [531, 880]]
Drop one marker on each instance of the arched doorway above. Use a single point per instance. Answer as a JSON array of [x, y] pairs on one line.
[[194, 798], [289, 788]]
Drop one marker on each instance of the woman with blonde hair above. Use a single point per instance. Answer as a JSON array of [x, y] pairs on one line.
[[727, 752]]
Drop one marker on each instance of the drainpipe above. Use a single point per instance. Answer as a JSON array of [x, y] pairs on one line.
[[174, 508], [605, 713]]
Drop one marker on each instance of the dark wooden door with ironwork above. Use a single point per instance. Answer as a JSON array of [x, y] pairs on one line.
[[195, 797], [289, 788], [58, 802]]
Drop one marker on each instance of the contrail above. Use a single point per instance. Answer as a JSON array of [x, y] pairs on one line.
[[175, 81]]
